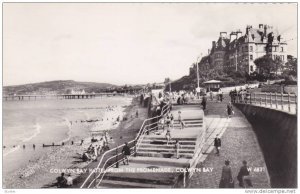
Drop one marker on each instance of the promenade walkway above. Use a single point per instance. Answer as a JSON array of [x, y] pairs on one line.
[[239, 143]]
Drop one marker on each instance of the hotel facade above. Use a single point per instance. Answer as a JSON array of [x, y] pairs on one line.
[[237, 51]]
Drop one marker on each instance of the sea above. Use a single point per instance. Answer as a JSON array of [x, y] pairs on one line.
[[47, 121]]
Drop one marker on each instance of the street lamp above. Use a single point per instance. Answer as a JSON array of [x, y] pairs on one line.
[[198, 84]]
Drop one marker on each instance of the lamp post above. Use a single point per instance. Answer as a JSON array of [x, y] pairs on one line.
[[198, 84]]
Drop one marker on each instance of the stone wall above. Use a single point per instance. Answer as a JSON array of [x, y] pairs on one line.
[[277, 135]]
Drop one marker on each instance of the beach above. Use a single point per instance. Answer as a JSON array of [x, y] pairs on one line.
[[42, 171]]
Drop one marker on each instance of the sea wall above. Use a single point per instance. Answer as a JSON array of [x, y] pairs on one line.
[[277, 135]]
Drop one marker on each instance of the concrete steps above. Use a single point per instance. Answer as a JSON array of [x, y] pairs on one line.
[[160, 150], [139, 180], [164, 142], [164, 154], [181, 162], [126, 184], [190, 147]]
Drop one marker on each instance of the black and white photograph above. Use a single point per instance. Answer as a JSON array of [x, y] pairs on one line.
[[199, 96]]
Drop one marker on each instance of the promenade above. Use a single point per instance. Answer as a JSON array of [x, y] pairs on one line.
[[239, 142]]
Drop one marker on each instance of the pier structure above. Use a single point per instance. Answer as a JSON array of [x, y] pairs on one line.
[[59, 96]]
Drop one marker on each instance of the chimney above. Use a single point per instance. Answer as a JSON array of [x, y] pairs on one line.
[[213, 44], [233, 36], [248, 28], [265, 30], [223, 34], [238, 34]]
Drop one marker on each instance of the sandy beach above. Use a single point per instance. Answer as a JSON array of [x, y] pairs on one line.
[[42, 172]]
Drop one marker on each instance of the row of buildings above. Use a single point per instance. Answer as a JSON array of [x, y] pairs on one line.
[[237, 51]]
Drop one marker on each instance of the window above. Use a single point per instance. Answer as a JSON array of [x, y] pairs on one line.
[[251, 68], [282, 57], [246, 48], [282, 49], [270, 49], [251, 48], [265, 48], [251, 57]]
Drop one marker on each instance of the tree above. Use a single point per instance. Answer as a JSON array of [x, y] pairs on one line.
[[267, 66], [290, 67]]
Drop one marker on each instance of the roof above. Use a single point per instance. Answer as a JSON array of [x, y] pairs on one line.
[[212, 82]]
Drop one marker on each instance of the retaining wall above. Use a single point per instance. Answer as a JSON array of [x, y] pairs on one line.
[[277, 135]]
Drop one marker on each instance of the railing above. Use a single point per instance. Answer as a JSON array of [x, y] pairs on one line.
[[98, 173], [279, 101]]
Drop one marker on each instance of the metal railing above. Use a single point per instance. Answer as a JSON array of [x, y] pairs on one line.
[[98, 173], [279, 101]]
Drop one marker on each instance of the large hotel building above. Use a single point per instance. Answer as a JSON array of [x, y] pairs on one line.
[[237, 52]]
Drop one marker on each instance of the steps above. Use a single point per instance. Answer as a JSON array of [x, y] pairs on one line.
[[127, 184], [179, 163], [153, 152]]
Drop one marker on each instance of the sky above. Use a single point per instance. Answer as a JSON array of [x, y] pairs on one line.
[[124, 43]]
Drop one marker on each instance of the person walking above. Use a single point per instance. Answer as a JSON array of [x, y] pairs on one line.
[[168, 136], [172, 120], [126, 152], [211, 95], [180, 120], [244, 177], [168, 121], [230, 111], [203, 103], [226, 178], [217, 144], [177, 148]]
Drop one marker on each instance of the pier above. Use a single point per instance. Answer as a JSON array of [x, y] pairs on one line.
[[59, 96]]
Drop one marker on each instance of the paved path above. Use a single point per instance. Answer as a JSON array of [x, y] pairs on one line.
[[239, 143]]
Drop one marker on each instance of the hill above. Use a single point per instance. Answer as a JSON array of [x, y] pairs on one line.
[[56, 87]]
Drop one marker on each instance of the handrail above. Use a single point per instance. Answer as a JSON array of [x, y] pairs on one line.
[[279, 101], [117, 161], [163, 111]]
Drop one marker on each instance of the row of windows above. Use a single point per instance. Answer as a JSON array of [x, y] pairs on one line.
[[270, 49]]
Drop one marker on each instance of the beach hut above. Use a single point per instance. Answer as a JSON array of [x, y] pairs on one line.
[[212, 85]]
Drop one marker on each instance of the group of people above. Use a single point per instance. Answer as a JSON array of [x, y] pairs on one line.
[[169, 121], [64, 182], [241, 95], [243, 177], [96, 148], [227, 180]]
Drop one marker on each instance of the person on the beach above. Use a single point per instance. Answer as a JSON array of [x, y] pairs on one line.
[[168, 136], [226, 178], [230, 111], [180, 120], [126, 152], [217, 144], [137, 114], [177, 147], [61, 181], [69, 180]]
